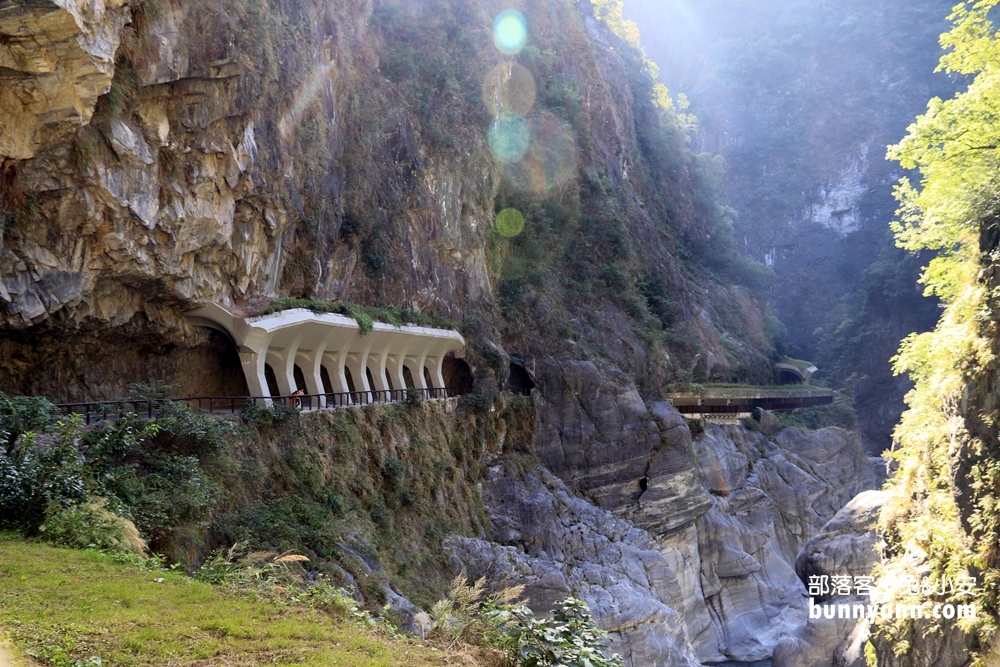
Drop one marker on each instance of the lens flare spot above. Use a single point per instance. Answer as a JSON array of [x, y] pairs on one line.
[[509, 137], [510, 222], [509, 88], [550, 161], [510, 31]]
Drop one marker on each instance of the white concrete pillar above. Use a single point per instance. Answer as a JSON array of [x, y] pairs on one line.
[[376, 362], [403, 343], [417, 364], [338, 364], [277, 364], [253, 369], [354, 364], [312, 364], [286, 374], [436, 369], [335, 358]]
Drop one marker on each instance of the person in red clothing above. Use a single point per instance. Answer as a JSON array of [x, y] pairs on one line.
[[297, 398]]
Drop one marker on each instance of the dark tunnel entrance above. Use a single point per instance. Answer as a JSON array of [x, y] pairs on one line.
[[520, 381], [457, 375]]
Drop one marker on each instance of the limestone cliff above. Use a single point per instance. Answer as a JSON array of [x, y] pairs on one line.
[[337, 151]]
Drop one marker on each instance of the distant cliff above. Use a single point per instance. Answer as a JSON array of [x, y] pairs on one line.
[[800, 99]]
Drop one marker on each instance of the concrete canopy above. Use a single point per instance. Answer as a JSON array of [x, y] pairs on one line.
[[314, 341], [803, 374]]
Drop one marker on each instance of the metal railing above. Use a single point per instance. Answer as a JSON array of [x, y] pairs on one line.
[[96, 411]]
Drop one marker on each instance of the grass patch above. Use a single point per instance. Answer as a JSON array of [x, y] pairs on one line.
[[62, 605]]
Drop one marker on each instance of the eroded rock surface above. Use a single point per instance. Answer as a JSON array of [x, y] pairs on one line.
[[845, 547], [597, 434], [566, 546], [56, 58], [727, 514]]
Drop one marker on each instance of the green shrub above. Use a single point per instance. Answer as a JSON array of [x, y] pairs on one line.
[[696, 426], [475, 403], [414, 397], [90, 524], [181, 430], [264, 417], [33, 476], [23, 414], [570, 638]]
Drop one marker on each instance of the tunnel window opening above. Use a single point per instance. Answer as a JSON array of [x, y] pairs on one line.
[[788, 377], [457, 374], [272, 381], [350, 380], [388, 380], [299, 378], [643, 483], [520, 381], [427, 378], [408, 377], [371, 380], [324, 377]]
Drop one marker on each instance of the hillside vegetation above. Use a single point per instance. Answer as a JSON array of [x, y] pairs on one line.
[[355, 490], [943, 519]]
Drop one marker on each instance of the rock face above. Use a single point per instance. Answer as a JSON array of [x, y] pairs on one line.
[[721, 519], [847, 543], [56, 58], [566, 546], [245, 153], [845, 547], [596, 433], [326, 150]]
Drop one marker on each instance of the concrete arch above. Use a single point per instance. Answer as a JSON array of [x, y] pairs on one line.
[[312, 341], [791, 371]]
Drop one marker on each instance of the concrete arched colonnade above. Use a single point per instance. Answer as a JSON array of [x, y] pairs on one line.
[[325, 341]]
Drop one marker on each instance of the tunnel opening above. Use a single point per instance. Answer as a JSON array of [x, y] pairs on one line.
[[457, 374], [427, 378], [643, 483], [300, 379], [371, 380], [388, 381], [324, 377], [408, 378], [350, 380], [789, 377], [520, 381], [272, 381]]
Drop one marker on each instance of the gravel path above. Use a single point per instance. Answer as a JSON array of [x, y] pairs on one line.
[[7, 658]]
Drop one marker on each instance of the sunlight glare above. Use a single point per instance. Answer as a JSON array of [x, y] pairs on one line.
[[510, 32], [510, 222], [509, 136], [509, 88]]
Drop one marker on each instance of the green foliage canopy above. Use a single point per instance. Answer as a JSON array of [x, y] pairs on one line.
[[955, 148]]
